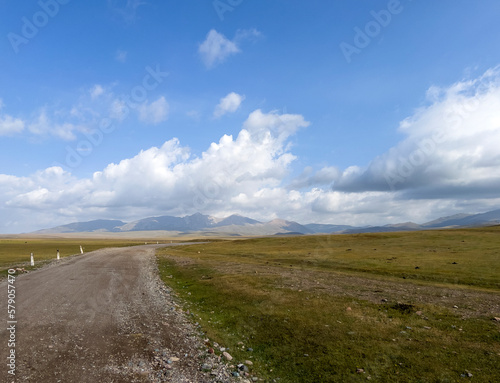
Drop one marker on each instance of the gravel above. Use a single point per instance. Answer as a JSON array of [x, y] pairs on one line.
[[105, 317]]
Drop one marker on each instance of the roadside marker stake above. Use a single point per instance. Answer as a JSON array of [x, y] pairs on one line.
[[58, 257], [81, 249], [32, 260]]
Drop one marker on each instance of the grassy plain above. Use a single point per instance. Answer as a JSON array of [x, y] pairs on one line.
[[391, 307], [16, 251]]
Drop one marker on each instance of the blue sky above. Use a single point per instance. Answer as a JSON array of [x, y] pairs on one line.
[[358, 112]]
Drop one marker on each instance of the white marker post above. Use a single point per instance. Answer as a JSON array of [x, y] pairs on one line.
[[32, 260], [81, 249], [58, 257]]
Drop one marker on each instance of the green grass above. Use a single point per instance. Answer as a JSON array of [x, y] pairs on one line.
[[16, 252], [263, 293], [476, 253]]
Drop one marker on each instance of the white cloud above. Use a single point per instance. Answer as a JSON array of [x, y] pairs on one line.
[[10, 125], [451, 147], [228, 104], [65, 120], [44, 125], [216, 49], [118, 110], [155, 112], [68, 120], [456, 136], [96, 91], [171, 179]]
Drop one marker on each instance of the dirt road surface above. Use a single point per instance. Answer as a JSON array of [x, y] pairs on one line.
[[101, 317]]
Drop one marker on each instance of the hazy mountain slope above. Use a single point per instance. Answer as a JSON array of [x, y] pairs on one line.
[[440, 222], [239, 225], [488, 218], [326, 229], [90, 226], [235, 219]]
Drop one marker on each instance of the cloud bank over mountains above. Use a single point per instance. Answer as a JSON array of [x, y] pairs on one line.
[[448, 162]]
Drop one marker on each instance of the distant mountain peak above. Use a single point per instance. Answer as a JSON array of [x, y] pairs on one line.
[[236, 224], [197, 215]]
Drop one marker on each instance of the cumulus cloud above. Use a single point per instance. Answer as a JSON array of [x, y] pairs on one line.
[[155, 112], [228, 104], [451, 146], [448, 163], [217, 48], [172, 180]]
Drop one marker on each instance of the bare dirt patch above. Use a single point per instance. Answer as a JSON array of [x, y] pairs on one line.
[[469, 302]]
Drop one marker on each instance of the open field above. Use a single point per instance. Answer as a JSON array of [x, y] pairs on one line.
[[391, 307], [16, 251]]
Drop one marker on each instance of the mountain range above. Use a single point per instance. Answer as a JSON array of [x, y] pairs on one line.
[[237, 225]]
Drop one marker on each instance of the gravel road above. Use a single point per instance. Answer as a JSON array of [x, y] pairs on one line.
[[101, 317]]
